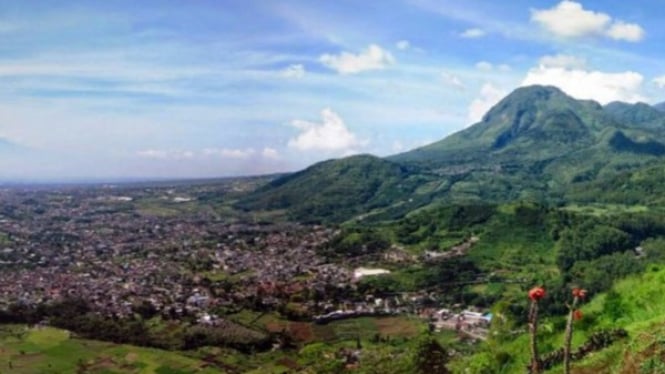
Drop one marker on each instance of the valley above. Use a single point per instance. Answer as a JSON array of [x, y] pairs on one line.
[[361, 264]]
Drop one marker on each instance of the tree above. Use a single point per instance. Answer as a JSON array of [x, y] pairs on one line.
[[430, 357]]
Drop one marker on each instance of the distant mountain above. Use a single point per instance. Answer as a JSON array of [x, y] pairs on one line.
[[337, 189], [660, 107], [535, 144]]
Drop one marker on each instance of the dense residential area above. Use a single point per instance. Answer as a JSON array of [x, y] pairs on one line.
[[122, 257]]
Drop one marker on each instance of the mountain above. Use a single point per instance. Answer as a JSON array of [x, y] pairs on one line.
[[531, 117], [637, 115], [660, 107], [539, 140], [335, 190], [535, 144]]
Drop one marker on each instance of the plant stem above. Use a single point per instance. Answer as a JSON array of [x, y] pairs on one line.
[[533, 329], [568, 337]]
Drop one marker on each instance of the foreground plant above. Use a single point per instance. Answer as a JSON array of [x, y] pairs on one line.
[[574, 314], [535, 294]]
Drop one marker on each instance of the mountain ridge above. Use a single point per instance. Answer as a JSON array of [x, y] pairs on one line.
[[533, 144]]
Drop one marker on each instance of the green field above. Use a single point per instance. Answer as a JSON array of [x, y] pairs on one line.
[[32, 350], [49, 350]]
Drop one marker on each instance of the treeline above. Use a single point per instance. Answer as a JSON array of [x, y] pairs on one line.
[[594, 251], [641, 186], [76, 316]]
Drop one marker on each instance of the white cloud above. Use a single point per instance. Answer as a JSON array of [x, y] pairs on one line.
[[207, 153], [660, 81], [452, 80], [589, 85], [229, 153], [484, 66], [626, 31], [473, 33], [329, 135], [372, 58], [270, 153], [489, 96], [153, 153], [296, 71], [488, 66], [403, 45], [563, 61], [165, 155], [569, 19]]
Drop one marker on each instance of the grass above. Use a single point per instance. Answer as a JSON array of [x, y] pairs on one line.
[[641, 313], [514, 249], [50, 350]]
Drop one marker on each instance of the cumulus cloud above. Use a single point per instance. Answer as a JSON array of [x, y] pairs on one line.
[[563, 61], [372, 58], [473, 33], [296, 71], [403, 45], [489, 96], [331, 134], [626, 31], [569, 19], [589, 85]]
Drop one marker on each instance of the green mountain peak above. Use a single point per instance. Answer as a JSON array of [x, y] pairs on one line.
[[536, 143]]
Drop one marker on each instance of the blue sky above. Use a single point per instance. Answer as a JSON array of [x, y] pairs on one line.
[[156, 89]]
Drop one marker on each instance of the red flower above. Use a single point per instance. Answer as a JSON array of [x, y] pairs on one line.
[[536, 293], [579, 293], [577, 315]]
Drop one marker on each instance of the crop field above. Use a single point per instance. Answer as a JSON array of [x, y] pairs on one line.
[[48, 350]]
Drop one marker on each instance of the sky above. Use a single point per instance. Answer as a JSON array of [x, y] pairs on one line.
[[195, 89]]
